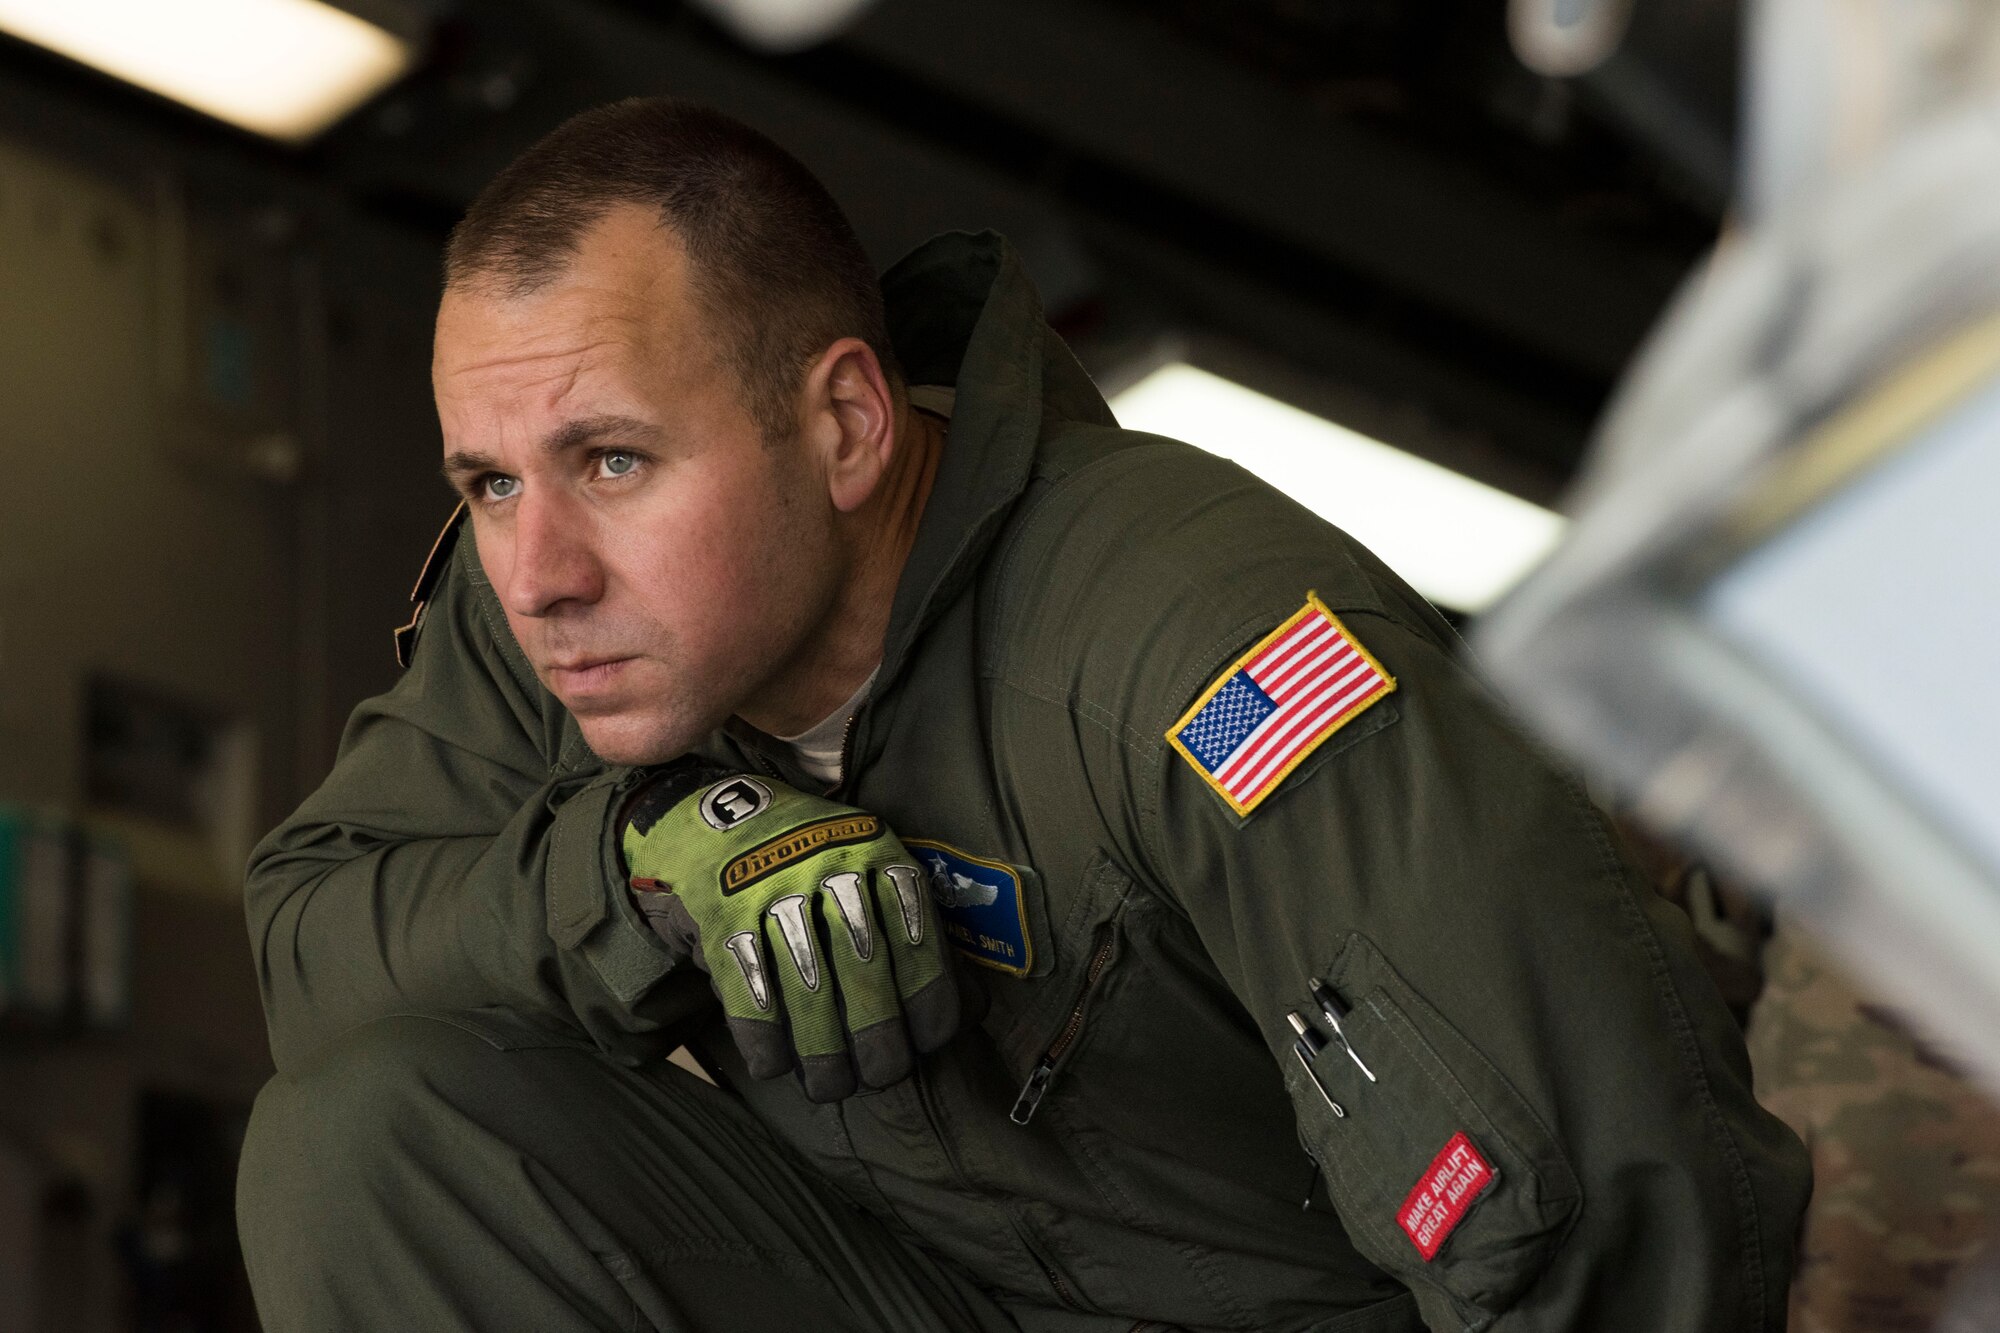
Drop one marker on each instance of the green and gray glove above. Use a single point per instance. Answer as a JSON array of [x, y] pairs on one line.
[[814, 924]]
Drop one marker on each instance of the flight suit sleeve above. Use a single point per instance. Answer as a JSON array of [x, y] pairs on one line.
[[1545, 1118], [1528, 1100], [458, 855]]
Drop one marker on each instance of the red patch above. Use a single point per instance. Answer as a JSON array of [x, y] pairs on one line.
[[1456, 1177]]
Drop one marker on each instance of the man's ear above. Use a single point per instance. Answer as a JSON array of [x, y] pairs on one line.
[[850, 421]]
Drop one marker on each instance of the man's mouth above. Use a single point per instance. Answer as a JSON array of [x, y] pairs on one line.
[[579, 676]]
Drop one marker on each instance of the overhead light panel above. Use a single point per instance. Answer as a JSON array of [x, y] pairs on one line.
[[286, 69], [1459, 542], [786, 25]]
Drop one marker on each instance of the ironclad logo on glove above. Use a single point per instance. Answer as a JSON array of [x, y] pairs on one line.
[[831, 896], [786, 848], [727, 804]]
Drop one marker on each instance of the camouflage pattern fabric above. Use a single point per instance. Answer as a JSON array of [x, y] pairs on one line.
[[1975, 1296], [1906, 1156]]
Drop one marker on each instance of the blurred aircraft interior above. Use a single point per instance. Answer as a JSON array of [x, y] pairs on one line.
[[1361, 245]]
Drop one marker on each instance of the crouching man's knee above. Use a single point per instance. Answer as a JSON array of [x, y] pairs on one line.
[[340, 1133], [397, 1156], [472, 1173]]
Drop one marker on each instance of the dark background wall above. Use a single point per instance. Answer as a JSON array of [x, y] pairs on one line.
[[219, 475]]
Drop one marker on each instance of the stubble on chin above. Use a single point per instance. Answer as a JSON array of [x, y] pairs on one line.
[[631, 742], [649, 731]]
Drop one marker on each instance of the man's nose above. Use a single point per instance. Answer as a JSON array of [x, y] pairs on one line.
[[554, 561]]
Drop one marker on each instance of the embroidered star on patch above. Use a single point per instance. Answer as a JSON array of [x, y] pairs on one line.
[[1276, 704]]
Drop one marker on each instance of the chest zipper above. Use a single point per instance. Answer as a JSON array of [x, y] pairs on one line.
[[1062, 1289], [842, 781], [1038, 1082]]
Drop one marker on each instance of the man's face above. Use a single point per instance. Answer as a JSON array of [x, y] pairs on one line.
[[659, 562]]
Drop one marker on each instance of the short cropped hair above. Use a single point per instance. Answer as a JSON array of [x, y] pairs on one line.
[[777, 270]]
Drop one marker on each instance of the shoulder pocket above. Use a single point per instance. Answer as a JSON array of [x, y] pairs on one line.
[[1441, 1171]]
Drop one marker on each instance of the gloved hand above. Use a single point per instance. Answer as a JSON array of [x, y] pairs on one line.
[[814, 924]]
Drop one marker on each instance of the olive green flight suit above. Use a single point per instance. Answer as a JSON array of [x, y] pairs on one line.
[[1559, 1132]]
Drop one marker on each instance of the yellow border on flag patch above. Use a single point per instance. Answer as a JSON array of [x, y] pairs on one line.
[[1313, 604]]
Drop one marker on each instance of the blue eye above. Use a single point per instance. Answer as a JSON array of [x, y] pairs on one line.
[[618, 464], [499, 487]]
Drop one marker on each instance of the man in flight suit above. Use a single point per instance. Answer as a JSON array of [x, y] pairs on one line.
[[1292, 989]]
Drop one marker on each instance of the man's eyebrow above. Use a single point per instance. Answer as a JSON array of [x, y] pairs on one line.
[[462, 464], [589, 430]]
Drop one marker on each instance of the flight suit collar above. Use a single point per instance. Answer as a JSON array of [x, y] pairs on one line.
[[963, 312]]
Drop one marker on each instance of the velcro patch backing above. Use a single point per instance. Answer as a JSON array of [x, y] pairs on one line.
[[1456, 1177]]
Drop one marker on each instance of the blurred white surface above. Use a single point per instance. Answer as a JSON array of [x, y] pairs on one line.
[[1459, 542], [1881, 610]]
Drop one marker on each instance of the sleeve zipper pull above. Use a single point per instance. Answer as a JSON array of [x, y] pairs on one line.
[[1031, 1092]]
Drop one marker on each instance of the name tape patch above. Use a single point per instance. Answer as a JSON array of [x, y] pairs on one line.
[[1278, 703], [770, 857], [1457, 1176], [980, 903]]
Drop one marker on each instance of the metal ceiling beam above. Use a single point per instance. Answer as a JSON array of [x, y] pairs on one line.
[[1136, 95]]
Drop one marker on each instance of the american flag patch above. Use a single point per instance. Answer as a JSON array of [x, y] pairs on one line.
[[1298, 685]]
